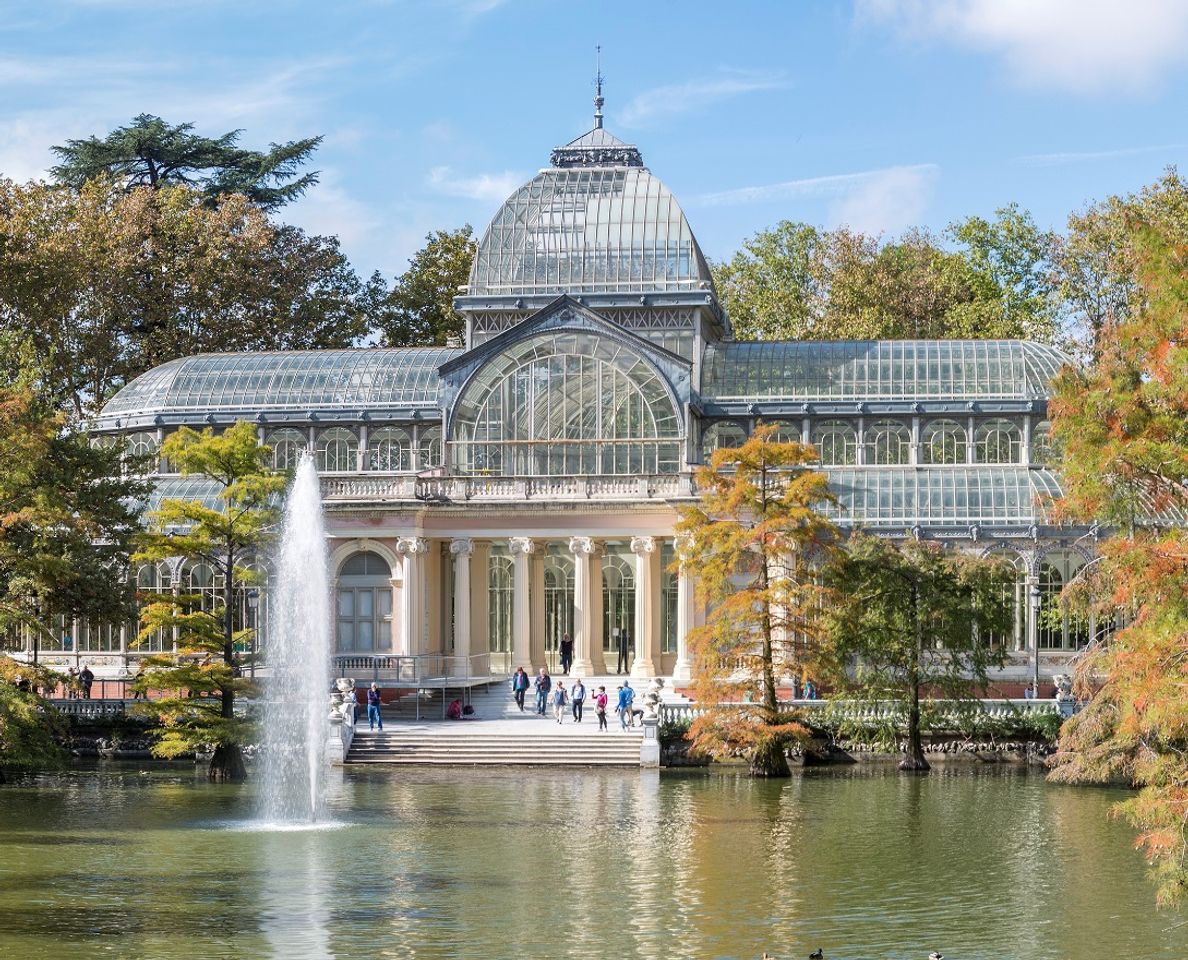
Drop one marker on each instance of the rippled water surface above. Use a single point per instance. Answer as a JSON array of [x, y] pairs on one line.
[[116, 862]]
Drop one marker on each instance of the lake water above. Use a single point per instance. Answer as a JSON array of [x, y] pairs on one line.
[[115, 862]]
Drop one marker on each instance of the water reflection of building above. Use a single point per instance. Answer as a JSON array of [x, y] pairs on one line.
[[493, 496]]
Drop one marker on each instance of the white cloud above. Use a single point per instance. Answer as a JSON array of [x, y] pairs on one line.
[[887, 201], [684, 97], [485, 186], [1088, 156], [1080, 45]]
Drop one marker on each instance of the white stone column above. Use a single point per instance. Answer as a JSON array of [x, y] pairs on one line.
[[644, 664], [412, 622], [585, 639], [682, 671], [521, 549], [461, 551]]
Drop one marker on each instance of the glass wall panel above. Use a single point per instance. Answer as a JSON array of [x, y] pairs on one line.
[[888, 442], [286, 447], [998, 441], [943, 441], [836, 442], [337, 450], [389, 450]]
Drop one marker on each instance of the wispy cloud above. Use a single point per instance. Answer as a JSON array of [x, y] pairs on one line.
[[484, 186], [1079, 45], [1088, 156], [685, 97], [874, 201]]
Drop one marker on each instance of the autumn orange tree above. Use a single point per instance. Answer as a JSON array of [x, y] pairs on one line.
[[750, 545], [1121, 427]]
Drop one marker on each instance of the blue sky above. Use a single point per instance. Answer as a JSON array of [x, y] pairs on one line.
[[877, 113]]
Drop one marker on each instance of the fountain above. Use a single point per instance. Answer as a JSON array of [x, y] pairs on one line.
[[295, 692]]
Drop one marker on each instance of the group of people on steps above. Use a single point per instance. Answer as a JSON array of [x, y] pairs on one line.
[[557, 697]]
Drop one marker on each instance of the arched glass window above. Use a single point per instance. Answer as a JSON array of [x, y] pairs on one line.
[[998, 441], [286, 447], [337, 450], [429, 449], [363, 604], [722, 435], [618, 601], [1059, 628], [142, 444], [499, 601], [1011, 592], [389, 450], [150, 579], [943, 441], [787, 431], [888, 442], [836, 442], [558, 586], [567, 404], [1041, 443], [668, 598]]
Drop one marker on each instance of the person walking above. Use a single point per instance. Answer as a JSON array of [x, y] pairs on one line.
[[86, 678], [566, 653], [600, 702], [559, 700], [520, 686], [624, 646], [623, 705], [374, 716], [577, 697], [544, 683]]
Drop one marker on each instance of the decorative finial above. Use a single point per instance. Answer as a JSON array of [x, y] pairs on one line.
[[598, 87]]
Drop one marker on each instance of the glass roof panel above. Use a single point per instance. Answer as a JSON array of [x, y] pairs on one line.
[[857, 370], [941, 496], [612, 229], [314, 379]]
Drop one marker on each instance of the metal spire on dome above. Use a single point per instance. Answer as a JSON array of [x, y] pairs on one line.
[[598, 101]]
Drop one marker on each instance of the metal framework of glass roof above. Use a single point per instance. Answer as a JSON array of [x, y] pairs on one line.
[[201, 490], [581, 229], [858, 370], [313, 379], [942, 496]]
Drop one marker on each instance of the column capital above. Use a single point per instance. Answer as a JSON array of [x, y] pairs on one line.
[[643, 545], [462, 547], [683, 545], [584, 546], [412, 545], [521, 545]]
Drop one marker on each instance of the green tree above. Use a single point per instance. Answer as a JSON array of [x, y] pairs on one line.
[[28, 727], [203, 680], [913, 618], [149, 152], [109, 283], [1121, 426], [1098, 262], [419, 310], [798, 282], [750, 544], [68, 512]]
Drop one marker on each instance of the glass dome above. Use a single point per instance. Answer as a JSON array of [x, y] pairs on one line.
[[297, 380], [861, 370], [595, 222]]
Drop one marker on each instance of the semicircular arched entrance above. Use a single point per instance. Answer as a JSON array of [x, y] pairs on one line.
[[566, 403]]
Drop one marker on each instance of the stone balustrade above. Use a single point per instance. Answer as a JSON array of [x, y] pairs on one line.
[[365, 488], [855, 710]]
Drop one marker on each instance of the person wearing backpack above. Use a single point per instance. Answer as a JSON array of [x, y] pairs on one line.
[[560, 698], [577, 696], [626, 696], [600, 702]]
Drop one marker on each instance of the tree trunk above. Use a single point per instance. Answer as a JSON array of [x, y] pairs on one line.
[[914, 759], [769, 760], [227, 766]]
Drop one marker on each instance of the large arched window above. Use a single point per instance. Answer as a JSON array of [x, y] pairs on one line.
[[618, 601], [943, 441], [286, 445], [566, 404], [836, 442], [429, 449], [389, 450], [998, 441], [141, 445], [721, 435], [558, 590], [1010, 592], [337, 450], [150, 579], [363, 604], [1059, 627], [500, 584], [888, 442], [1041, 443]]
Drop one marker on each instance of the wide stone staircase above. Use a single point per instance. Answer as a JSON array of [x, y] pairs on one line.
[[399, 744]]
